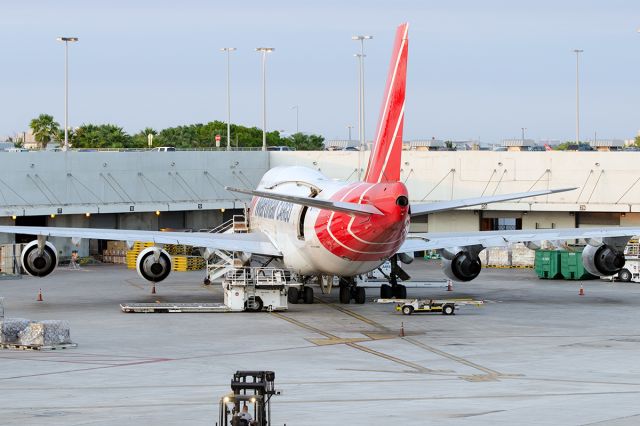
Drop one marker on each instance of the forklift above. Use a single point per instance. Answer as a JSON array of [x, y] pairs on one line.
[[251, 389]]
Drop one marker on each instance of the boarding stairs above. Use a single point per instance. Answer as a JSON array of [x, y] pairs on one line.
[[225, 261]]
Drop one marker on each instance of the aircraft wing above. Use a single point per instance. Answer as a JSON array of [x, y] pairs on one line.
[[338, 206], [430, 241], [253, 242], [418, 209]]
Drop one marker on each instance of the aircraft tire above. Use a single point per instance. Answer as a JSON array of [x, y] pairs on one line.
[[400, 291], [345, 295], [293, 295], [307, 295], [385, 291], [360, 295]]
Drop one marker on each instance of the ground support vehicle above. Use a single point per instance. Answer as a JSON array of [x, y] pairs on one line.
[[444, 306], [245, 289], [254, 390]]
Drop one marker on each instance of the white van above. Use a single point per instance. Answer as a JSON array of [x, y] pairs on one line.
[[165, 149]]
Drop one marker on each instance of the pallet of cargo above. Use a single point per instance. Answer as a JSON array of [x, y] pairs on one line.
[[169, 308], [16, 346]]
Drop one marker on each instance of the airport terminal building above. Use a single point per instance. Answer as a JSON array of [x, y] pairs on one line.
[[185, 189]]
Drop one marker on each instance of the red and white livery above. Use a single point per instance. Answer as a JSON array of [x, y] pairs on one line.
[[319, 227]]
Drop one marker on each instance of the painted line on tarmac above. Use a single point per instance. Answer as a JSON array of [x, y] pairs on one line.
[[414, 342], [75, 370], [386, 398], [452, 357], [353, 344], [353, 314]]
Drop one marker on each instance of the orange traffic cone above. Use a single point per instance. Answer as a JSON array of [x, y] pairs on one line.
[[40, 296], [449, 286], [402, 329], [581, 292], [153, 289]]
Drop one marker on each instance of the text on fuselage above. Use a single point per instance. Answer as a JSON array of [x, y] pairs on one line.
[[273, 209]]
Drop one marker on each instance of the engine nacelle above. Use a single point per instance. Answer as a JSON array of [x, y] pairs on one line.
[[463, 266], [603, 260], [153, 264], [39, 262]]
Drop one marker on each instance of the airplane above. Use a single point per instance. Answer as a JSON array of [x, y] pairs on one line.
[[320, 228]]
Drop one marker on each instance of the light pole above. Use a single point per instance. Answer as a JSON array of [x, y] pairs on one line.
[[264, 51], [349, 127], [228, 50], [360, 57], [578, 52], [297, 117], [66, 88], [523, 130]]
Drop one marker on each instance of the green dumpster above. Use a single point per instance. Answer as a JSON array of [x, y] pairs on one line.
[[547, 264], [572, 267]]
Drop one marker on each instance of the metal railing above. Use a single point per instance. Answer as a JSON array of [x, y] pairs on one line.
[[260, 276], [224, 226]]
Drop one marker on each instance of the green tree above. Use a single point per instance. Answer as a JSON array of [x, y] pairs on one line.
[[44, 128], [203, 135], [17, 142], [70, 136], [305, 142], [101, 136], [563, 146], [637, 141], [450, 146], [141, 139]]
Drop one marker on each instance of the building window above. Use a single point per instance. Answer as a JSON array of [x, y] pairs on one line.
[[501, 224]]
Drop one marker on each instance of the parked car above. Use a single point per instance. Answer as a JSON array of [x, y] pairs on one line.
[[165, 149], [280, 148]]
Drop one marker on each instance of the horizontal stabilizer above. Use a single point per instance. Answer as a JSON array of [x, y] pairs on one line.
[[441, 206], [336, 206]]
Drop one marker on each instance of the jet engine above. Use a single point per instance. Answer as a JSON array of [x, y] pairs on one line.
[[39, 260], [153, 264], [602, 260], [461, 265]]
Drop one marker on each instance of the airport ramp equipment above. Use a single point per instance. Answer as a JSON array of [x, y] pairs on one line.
[[444, 306], [184, 308]]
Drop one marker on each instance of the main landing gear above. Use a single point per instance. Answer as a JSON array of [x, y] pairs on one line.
[[350, 291], [303, 294], [388, 291], [393, 289]]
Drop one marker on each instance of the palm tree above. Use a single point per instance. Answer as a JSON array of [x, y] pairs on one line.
[[44, 129]]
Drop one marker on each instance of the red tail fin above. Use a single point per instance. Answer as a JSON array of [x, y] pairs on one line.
[[384, 163]]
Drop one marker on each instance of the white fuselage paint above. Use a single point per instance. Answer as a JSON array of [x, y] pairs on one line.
[[280, 220]]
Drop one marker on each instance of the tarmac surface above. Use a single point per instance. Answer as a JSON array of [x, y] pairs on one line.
[[535, 353]]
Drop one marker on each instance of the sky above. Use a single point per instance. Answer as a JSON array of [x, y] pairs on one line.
[[477, 69]]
